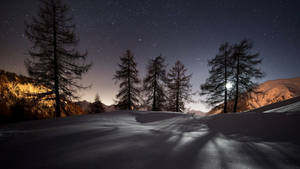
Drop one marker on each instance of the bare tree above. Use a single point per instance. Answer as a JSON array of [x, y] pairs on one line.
[[216, 85], [54, 62], [179, 87], [154, 83], [128, 77], [245, 64]]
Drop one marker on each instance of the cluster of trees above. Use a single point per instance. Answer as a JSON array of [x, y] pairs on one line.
[[55, 63], [232, 73], [162, 90], [236, 65]]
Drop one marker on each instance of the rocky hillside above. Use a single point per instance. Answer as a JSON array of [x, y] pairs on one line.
[[266, 93], [17, 104]]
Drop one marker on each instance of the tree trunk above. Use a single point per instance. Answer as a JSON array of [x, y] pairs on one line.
[[154, 108], [237, 84], [129, 84], [177, 93], [225, 94], [56, 71]]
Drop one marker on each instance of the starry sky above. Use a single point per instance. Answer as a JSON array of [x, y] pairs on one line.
[[186, 30]]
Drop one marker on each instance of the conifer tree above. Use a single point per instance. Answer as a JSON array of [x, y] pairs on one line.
[[216, 85], [179, 87], [127, 75], [97, 106], [154, 83], [54, 61], [245, 69]]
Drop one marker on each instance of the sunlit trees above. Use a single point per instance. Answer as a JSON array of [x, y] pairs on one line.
[[154, 84], [179, 87], [216, 87], [54, 61], [127, 76], [245, 69]]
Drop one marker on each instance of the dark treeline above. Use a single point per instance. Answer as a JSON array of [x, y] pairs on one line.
[[231, 74], [162, 90]]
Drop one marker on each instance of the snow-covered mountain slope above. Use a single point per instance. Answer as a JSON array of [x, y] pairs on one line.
[[147, 140], [266, 93]]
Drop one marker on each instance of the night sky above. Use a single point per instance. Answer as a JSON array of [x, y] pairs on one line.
[[188, 30]]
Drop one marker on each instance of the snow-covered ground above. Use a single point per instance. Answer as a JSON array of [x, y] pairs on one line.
[[154, 140]]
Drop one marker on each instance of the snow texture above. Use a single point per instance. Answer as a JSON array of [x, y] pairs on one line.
[[154, 140]]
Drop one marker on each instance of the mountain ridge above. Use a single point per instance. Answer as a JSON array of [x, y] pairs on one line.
[[271, 91]]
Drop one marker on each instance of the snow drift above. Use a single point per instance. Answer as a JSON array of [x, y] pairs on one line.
[[165, 140]]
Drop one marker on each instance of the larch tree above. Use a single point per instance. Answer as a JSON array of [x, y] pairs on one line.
[[54, 62], [245, 69], [216, 85], [97, 106], [127, 76], [155, 82], [179, 87]]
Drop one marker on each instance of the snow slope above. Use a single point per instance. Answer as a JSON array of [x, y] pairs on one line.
[[160, 140]]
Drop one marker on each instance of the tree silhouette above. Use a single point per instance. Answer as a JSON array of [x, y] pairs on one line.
[[179, 87], [154, 83], [127, 75], [215, 86], [97, 106], [54, 62], [245, 69]]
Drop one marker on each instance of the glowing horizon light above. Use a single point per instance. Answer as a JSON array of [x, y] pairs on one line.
[[229, 85]]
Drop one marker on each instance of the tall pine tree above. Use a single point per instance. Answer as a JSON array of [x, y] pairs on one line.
[[245, 70], [53, 61], [127, 75], [216, 85], [179, 87], [154, 83]]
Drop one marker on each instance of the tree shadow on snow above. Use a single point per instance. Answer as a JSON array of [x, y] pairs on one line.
[[269, 140]]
